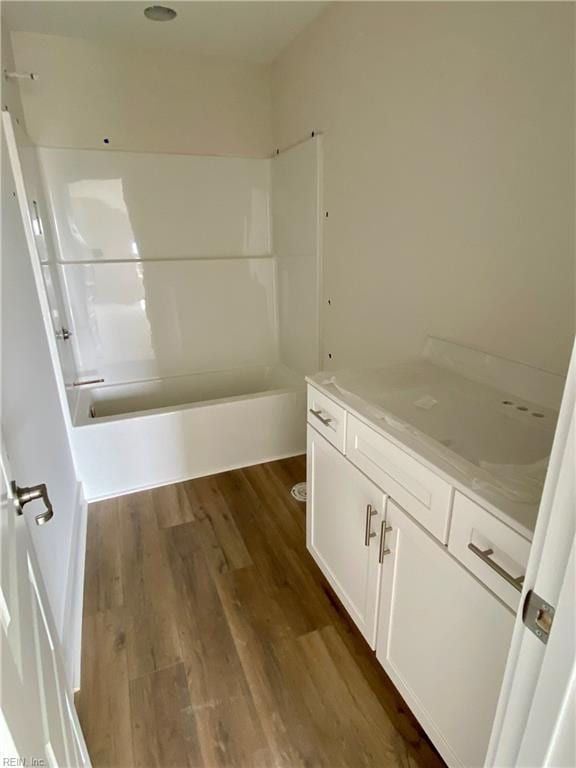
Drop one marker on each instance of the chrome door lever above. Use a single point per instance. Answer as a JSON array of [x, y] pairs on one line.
[[24, 495]]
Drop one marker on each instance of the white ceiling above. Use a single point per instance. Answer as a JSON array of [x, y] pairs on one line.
[[250, 31]]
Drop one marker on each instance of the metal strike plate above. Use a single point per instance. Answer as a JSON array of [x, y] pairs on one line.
[[538, 616]]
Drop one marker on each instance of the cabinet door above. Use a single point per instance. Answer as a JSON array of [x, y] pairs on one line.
[[343, 529], [443, 640]]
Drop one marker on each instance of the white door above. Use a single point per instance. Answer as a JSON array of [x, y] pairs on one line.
[[344, 518], [537, 709], [38, 723], [35, 416], [443, 640]]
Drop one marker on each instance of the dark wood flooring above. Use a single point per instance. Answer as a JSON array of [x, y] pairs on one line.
[[211, 638]]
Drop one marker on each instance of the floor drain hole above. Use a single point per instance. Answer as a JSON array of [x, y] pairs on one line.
[[299, 491]]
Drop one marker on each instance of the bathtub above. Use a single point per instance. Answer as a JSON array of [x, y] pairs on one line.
[[129, 437]]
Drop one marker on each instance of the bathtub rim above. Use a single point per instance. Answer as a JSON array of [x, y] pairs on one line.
[[106, 453], [83, 421]]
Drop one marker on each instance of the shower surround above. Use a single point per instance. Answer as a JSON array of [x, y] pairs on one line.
[[190, 288]]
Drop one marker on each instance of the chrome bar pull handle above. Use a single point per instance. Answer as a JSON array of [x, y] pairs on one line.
[[326, 420], [38, 228], [368, 533], [87, 382], [383, 551], [484, 555], [23, 496]]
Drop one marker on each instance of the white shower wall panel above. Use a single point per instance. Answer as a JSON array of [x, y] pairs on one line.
[[110, 205], [145, 320], [39, 216], [296, 208]]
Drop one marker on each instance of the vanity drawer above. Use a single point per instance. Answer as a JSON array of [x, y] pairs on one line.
[[328, 418], [424, 495], [491, 550]]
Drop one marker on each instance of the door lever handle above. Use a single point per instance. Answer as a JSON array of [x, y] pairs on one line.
[[23, 496]]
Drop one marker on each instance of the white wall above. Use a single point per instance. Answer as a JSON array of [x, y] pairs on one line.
[[295, 215], [448, 158], [142, 100], [448, 174]]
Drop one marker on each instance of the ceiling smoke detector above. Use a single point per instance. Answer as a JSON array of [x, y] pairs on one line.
[[160, 13]]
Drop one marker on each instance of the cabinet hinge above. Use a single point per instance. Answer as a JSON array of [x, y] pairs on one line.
[[538, 616]]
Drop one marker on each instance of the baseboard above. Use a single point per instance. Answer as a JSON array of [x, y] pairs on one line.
[[173, 481], [75, 592]]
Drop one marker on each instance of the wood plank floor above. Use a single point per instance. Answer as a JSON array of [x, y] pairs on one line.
[[212, 639]]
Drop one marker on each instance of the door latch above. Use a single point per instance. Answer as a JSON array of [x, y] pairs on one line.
[[23, 496], [64, 334], [538, 616]]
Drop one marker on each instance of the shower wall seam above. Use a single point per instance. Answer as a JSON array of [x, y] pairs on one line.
[[161, 260]]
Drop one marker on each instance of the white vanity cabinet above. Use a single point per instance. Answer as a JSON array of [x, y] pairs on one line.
[[442, 639], [345, 514], [394, 539], [425, 495]]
